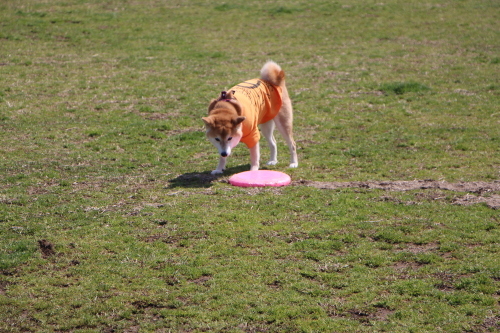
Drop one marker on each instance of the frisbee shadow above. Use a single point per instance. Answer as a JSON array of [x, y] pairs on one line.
[[203, 179]]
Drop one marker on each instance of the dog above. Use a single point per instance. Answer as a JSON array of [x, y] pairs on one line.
[[236, 114]]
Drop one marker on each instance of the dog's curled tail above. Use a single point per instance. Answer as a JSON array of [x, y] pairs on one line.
[[272, 73]]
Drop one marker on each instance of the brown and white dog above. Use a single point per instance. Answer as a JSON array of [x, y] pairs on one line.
[[234, 117]]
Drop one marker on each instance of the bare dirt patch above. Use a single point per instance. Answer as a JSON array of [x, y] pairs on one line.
[[473, 187], [364, 316], [483, 190], [492, 201], [478, 192], [491, 324], [202, 279], [3, 287]]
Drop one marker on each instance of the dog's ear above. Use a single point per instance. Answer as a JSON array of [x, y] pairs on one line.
[[238, 120], [212, 105], [208, 121]]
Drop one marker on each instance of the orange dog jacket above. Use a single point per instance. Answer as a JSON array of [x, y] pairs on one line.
[[260, 102]]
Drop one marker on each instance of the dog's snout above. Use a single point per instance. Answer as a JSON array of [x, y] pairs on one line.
[[223, 154]]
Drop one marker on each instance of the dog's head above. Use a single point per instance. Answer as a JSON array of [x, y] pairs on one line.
[[224, 131]]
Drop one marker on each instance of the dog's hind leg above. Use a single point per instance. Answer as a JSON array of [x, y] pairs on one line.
[[284, 123], [268, 132]]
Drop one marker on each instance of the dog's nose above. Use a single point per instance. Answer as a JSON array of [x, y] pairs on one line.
[[223, 154]]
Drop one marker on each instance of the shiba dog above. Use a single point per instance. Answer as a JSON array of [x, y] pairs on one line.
[[234, 116]]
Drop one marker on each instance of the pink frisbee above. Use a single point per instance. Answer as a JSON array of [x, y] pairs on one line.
[[260, 178]]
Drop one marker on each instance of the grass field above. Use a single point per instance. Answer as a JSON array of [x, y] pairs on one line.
[[111, 222]]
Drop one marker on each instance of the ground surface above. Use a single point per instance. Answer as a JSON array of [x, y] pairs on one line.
[[111, 222]]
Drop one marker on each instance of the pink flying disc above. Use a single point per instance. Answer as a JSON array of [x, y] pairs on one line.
[[260, 178]]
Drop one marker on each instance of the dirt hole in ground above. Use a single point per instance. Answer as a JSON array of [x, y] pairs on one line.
[[47, 248]]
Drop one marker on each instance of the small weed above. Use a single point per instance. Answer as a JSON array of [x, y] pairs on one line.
[[400, 88], [281, 10], [94, 134], [225, 7]]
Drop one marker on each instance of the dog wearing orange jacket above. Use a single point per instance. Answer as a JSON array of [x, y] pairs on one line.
[[236, 115]]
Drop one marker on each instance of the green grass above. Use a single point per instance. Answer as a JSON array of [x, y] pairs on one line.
[[102, 153]]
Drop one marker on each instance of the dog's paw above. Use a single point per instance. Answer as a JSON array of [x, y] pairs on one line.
[[293, 165], [272, 162], [217, 172]]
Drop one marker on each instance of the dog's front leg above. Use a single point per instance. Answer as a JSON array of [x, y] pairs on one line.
[[221, 166], [255, 157]]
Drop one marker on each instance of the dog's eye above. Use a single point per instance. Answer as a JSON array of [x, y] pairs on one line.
[[217, 139], [229, 139]]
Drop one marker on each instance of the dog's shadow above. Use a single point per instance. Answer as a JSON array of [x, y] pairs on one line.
[[203, 179]]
